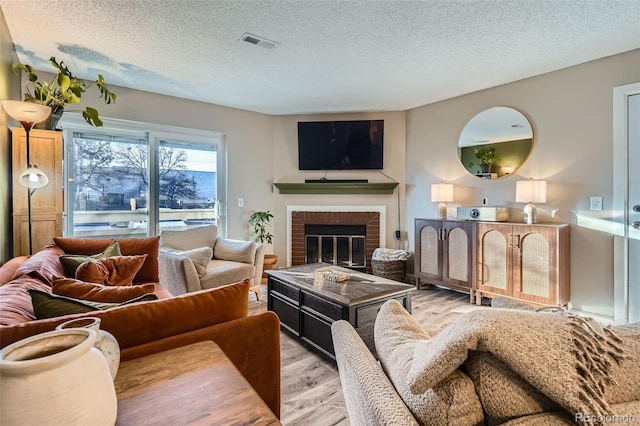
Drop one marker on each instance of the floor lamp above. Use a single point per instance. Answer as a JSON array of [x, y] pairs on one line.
[[28, 114]]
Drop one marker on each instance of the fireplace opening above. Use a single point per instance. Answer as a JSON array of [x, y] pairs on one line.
[[341, 245]]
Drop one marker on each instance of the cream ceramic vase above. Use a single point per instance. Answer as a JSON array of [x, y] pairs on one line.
[[105, 342], [56, 378]]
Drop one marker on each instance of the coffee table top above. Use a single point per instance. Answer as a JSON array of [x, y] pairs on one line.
[[358, 289], [195, 385]]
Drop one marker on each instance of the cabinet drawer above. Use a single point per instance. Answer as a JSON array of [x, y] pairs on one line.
[[326, 308], [286, 290], [317, 332], [289, 315], [366, 315]]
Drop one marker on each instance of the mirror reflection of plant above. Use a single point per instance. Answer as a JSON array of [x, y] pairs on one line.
[[65, 88], [487, 156]]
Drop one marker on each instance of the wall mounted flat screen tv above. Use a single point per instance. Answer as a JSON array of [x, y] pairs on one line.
[[340, 145]]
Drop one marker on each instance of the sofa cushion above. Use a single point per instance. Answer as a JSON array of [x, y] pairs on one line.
[[71, 262], [76, 289], [199, 256], [128, 247], [115, 271], [43, 265], [453, 399], [47, 305], [204, 236], [15, 301], [223, 272], [235, 251]]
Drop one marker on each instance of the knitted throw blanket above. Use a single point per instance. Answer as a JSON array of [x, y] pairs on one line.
[[562, 355]]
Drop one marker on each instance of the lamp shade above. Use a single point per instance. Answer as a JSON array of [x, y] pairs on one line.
[[441, 192], [531, 191], [27, 113], [33, 178]]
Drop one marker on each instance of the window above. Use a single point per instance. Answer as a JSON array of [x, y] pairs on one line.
[[134, 180]]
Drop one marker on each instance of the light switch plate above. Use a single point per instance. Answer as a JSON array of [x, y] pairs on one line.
[[596, 202], [240, 202]]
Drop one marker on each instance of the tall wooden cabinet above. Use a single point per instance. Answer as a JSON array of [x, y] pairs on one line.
[[47, 202], [527, 262], [445, 254]]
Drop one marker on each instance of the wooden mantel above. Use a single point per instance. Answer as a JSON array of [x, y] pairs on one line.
[[336, 188]]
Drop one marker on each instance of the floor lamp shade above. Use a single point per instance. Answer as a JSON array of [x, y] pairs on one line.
[[33, 178], [530, 192], [27, 113], [442, 193]]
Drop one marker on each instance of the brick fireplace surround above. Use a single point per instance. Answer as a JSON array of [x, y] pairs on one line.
[[301, 218]]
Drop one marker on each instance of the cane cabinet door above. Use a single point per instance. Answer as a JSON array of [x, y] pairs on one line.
[[495, 258]]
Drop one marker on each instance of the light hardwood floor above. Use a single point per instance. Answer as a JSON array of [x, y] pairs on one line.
[[311, 392]]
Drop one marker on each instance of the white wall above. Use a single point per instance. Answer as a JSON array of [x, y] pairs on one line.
[[285, 169], [571, 114]]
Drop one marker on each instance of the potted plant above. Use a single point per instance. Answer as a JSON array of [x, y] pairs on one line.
[[486, 156], [65, 88], [259, 222]]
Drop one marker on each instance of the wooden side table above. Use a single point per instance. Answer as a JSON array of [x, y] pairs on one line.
[[191, 385]]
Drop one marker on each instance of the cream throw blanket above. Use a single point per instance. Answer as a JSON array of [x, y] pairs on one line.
[[562, 355]]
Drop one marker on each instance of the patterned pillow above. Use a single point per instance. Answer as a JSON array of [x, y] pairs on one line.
[[97, 292], [116, 270]]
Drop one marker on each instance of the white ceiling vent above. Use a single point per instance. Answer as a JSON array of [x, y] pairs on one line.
[[259, 41]]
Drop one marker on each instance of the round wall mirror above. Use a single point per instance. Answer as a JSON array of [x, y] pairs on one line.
[[495, 143]]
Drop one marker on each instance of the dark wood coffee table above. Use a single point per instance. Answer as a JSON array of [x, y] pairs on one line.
[[307, 306]]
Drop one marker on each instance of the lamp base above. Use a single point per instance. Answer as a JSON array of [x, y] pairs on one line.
[[442, 211], [530, 214]]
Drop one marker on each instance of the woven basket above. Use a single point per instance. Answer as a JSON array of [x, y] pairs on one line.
[[391, 269]]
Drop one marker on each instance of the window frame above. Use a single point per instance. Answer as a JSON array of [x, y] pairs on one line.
[[154, 133]]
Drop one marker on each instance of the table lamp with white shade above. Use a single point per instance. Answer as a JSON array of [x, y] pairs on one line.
[[28, 114], [530, 192], [442, 193]]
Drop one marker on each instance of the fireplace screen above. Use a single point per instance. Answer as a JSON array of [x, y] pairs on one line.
[[341, 245]]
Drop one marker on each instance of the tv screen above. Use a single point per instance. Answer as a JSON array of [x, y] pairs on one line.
[[340, 145]]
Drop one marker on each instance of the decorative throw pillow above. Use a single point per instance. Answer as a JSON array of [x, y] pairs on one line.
[[234, 250], [116, 270], [200, 256], [454, 398], [43, 265], [70, 262], [47, 305], [204, 236], [97, 292]]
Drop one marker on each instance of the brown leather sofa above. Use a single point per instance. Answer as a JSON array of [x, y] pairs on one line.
[[252, 343]]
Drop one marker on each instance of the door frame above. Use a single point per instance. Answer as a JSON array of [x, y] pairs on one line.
[[620, 213]]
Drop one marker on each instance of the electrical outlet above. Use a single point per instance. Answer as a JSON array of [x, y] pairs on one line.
[[596, 203], [240, 202]]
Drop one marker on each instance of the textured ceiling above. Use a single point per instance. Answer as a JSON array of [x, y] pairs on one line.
[[333, 56]]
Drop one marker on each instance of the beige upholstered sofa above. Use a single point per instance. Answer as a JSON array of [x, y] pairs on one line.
[[491, 366], [199, 259]]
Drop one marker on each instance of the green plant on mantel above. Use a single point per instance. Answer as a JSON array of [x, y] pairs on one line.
[[259, 222], [65, 88]]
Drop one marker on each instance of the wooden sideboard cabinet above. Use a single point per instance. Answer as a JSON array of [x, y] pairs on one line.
[[445, 254], [46, 202], [527, 262]]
